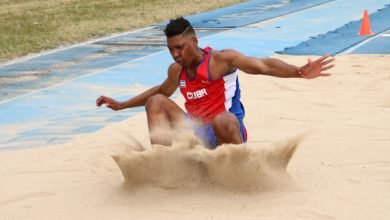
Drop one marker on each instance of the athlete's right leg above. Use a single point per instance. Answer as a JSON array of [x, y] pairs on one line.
[[227, 129], [163, 115]]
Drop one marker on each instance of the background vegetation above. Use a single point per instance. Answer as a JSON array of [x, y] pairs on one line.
[[30, 26]]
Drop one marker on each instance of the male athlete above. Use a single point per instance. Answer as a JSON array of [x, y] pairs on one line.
[[208, 80]]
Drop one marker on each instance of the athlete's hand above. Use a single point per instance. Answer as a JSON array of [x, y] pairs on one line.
[[315, 68], [110, 103]]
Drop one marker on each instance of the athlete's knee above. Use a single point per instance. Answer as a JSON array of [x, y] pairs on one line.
[[226, 123], [155, 103]]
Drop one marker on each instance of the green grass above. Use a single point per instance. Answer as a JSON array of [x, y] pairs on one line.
[[30, 26]]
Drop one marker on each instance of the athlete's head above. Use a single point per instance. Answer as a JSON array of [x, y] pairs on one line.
[[182, 41]]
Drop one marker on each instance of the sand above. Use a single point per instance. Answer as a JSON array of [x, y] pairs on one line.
[[338, 127]]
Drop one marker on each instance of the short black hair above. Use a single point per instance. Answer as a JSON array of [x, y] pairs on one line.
[[178, 26]]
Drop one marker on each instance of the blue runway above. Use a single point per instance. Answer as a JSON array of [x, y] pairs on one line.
[[341, 39], [50, 99], [248, 13]]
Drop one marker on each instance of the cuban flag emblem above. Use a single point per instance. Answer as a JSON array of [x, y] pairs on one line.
[[182, 83]]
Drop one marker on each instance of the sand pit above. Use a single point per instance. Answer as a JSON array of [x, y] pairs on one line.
[[341, 169]]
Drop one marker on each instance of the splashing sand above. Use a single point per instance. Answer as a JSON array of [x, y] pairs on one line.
[[188, 164]]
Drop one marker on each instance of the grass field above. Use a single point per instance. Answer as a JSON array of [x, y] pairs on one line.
[[30, 26]]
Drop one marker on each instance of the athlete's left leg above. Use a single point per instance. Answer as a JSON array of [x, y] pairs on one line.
[[227, 129]]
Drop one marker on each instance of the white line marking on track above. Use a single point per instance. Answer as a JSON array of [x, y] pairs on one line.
[[356, 46]]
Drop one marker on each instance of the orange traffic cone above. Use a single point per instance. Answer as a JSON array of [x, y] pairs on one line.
[[365, 29]]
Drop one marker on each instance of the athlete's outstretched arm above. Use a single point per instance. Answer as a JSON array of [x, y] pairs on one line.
[[167, 88], [277, 67]]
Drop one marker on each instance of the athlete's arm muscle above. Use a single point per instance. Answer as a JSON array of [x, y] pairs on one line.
[[167, 88], [273, 66]]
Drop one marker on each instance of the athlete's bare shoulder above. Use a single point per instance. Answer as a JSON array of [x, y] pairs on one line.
[[225, 55], [222, 62], [174, 71]]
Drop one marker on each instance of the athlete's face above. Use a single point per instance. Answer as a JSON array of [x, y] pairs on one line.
[[182, 48]]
